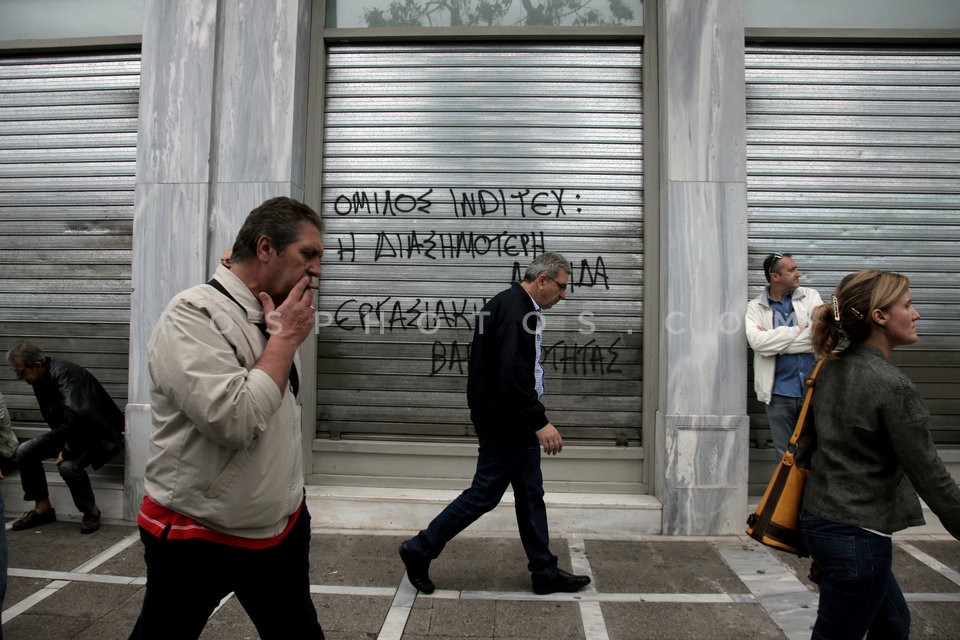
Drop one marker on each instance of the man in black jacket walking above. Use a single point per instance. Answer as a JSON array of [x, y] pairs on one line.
[[504, 387], [86, 429]]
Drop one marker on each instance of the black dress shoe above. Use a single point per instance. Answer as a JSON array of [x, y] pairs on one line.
[[563, 581], [417, 570]]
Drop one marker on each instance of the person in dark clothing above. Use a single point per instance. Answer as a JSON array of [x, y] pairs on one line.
[[86, 429], [504, 387], [869, 452]]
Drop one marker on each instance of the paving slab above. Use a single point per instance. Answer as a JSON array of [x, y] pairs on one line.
[[660, 567], [680, 620], [64, 586]]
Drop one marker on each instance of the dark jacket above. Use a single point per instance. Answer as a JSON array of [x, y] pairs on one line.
[[71, 399], [501, 389], [868, 442]]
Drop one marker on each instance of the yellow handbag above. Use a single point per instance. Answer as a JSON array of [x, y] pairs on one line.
[[774, 523]]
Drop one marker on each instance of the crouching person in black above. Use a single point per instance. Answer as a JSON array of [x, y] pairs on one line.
[[86, 430]]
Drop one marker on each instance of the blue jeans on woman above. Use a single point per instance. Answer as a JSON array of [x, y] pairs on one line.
[[498, 467], [858, 591]]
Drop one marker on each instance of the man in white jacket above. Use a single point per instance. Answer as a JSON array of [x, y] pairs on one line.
[[224, 506], [778, 329]]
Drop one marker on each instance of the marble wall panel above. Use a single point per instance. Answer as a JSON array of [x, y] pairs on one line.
[[176, 91], [704, 457], [262, 92], [704, 462], [301, 98], [170, 248], [139, 425], [702, 84], [704, 352]]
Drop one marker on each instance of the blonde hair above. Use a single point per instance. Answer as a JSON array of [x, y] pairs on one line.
[[848, 315]]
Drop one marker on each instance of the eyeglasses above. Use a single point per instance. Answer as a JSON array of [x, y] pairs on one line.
[[562, 287]]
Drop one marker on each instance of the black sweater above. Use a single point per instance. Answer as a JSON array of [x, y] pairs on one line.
[[501, 389]]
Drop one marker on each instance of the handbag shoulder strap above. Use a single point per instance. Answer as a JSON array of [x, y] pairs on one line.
[[802, 419]]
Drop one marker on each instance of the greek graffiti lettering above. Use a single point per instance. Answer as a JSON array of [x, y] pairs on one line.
[[488, 202], [593, 358], [457, 245], [385, 205], [391, 314]]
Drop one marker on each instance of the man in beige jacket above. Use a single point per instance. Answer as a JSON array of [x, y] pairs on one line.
[[224, 508]]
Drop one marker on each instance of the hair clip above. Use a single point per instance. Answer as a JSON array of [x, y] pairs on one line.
[[857, 314], [836, 309]]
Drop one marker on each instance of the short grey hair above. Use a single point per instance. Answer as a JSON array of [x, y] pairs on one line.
[[549, 264], [281, 219], [28, 354]]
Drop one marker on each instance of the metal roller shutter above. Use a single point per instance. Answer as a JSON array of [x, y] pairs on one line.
[[447, 168], [853, 162], [68, 128]]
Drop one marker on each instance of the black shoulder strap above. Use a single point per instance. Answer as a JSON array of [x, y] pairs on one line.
[[294, 378]]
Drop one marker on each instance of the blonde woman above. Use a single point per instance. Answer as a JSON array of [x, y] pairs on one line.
[[870, 434]]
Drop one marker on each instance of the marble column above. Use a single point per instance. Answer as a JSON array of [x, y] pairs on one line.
[[701, 446], [223, 104]]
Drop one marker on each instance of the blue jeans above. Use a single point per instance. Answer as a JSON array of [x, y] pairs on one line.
[[30, 456], [858, 591], [497, 468], [782, 414]]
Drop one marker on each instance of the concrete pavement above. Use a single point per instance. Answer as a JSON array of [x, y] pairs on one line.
[[64, 586]]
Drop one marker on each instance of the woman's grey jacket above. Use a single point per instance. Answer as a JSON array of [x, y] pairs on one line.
[[869, 448]]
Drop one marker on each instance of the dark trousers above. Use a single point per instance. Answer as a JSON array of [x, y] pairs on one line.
[[30, 457], [187, 579], [497, 468], [782, 414], [858, 591]]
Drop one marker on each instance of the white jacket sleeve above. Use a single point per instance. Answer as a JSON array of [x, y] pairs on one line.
[[764, 339], [767, 341], [198, 368]]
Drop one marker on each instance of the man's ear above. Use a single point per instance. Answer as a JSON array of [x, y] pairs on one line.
[[264, 248]]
